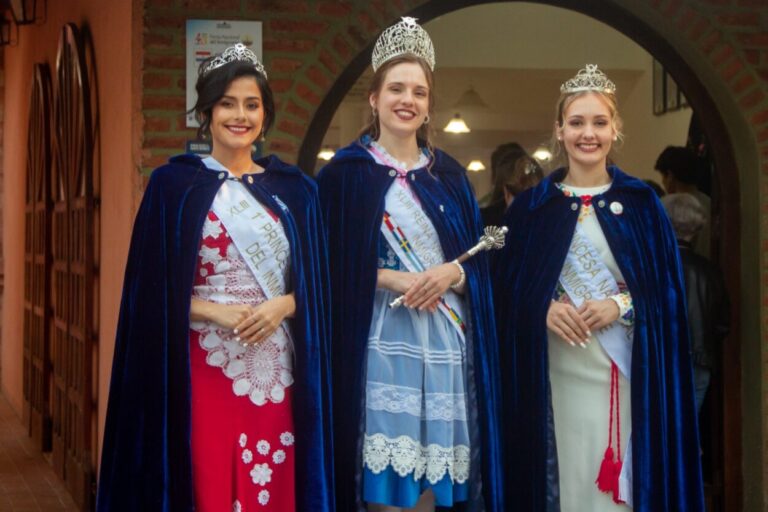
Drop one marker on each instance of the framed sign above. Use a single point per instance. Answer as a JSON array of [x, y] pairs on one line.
[[206, 38], [659, 101], [671, 93]]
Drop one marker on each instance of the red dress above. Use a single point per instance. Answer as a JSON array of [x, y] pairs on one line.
[[242, 425]]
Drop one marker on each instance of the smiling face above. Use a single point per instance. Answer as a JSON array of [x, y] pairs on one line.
[[587, 131], [402, 102], [238, 117]]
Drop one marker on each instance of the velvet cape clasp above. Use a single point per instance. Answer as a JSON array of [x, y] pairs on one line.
[[352, 191], [666, 464], [146, 461]]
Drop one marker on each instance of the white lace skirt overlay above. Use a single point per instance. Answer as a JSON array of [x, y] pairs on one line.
[[416, 410]]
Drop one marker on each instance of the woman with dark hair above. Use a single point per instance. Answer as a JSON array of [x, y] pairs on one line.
[[414, 386], [598, 391], [512, 171], [220, 383]]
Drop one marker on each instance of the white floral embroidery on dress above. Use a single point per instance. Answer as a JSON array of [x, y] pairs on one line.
[[278, 457], [237, 507], [286, 438], [262, 371], [261, 474], [406, 455], [262, 447], [243, 440], [247, 456], [210, 254], [212, 228], [264, 497]]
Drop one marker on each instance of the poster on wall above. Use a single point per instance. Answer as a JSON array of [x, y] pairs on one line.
[[209, 37]]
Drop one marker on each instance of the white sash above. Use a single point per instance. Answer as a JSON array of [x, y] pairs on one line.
[[586, 277], [422, 250], [256, 234]]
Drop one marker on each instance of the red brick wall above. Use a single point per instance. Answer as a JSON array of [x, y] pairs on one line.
[[306, 44]]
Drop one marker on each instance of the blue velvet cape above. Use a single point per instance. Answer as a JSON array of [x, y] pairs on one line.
[[666, 466], [352, 190], [146, 461]]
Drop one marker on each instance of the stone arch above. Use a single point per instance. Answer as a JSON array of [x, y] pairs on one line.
[[719, 79]]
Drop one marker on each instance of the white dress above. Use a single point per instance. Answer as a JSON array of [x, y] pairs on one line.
[[581, 384]]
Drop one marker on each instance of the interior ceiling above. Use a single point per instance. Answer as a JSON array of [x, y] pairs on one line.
[[515, 55]]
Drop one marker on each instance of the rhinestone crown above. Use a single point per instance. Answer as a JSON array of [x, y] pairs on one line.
[[589, 79], [405, 36], [238, 52]]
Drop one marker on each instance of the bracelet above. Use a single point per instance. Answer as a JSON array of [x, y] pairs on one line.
[[462, 276]]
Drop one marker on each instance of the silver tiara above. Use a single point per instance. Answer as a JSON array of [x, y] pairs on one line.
[[238, 52], [405, 36], [589, 79]]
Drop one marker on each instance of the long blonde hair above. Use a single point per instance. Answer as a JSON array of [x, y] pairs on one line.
[[425, 132]]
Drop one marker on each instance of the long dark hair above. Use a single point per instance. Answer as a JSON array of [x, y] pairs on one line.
[[424, 133], [212, 86]]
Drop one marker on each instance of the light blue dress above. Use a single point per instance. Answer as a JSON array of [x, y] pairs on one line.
[[416, 431]]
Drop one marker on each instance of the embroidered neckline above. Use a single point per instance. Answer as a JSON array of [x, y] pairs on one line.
[[380, 153]]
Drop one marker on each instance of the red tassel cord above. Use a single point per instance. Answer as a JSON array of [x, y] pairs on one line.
[[610, 469]]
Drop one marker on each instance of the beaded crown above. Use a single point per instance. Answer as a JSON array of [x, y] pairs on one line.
[[238, 52], [589, 79], [405, 36]]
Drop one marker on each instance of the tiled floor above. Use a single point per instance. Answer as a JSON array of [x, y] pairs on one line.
[[27, 481]]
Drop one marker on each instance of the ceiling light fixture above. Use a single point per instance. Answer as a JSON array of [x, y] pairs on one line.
[[476, 166], [326, 154], [542, 154], [456, 125]]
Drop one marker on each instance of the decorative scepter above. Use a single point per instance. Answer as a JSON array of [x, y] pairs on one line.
[[493, 238]]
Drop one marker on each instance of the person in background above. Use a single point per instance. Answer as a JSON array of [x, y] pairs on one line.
[[708, 304], [513, 171], [656, 188], [679, 170]]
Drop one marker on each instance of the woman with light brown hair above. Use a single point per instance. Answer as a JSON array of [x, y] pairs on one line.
[[414, 386]]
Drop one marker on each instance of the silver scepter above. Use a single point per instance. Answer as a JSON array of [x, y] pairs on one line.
[[492, 238]]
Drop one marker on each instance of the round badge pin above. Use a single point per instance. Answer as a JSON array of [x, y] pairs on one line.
[[617, 208]]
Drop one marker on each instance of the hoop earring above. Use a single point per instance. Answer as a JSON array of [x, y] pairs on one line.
[[426, 119], [374, 113]]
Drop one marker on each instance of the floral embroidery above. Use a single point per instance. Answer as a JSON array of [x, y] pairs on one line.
[[209, 255], [247, 456], [261, 474], [278, 457], [586, 200], [260, 372], [286, 438], [212, 229], [243, 440], [262, 447], [407, 456], [264, 497], [237, 507]]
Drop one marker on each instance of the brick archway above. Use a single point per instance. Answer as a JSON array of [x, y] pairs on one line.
[[709, 55]]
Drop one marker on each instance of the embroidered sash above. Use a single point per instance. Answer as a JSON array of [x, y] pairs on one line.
[[256, 234], [411, 235], [586, 277]]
